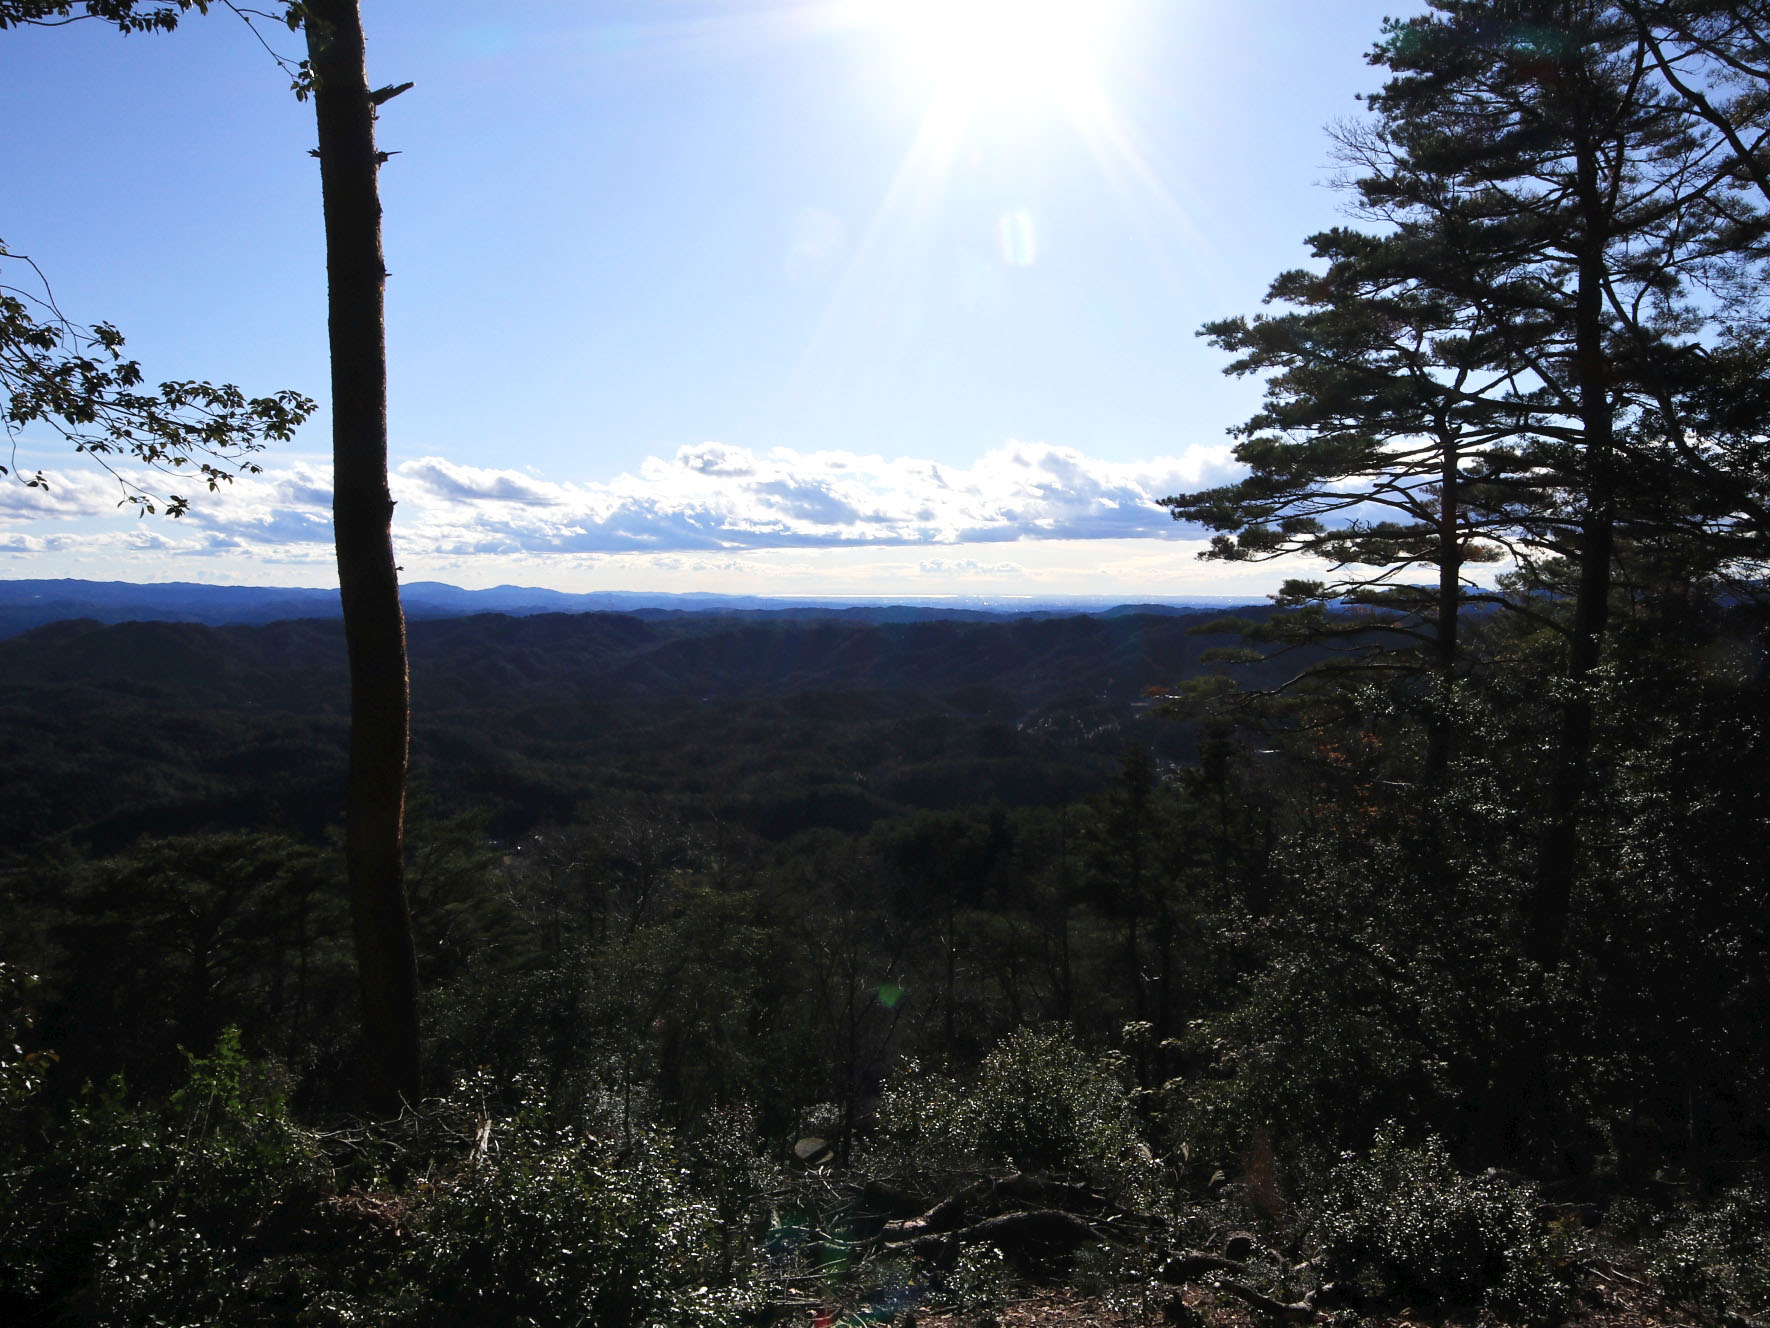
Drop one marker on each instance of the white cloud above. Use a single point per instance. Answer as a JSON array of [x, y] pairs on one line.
[[715, 497], [968, 567], [712, 515], [62, 496]]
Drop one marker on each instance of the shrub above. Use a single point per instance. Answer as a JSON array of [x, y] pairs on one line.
[[550, 1229], [214, 1207], [146, 1214], [1403, 1221], [924, 1118], [1038, 1102], [1041, 1102], [1719, 1257], [21, 1067]]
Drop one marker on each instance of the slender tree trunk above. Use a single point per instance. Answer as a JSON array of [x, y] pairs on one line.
[[1450, 594], [1553, 897], [362, 511]]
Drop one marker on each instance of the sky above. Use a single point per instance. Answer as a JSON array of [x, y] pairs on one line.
[[798, 297]]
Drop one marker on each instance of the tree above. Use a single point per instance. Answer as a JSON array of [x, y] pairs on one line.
[[1561, 221], [1714, 58], [1591, 202], [74, 379], [334, 74], [374, 626], [128, 15], [1380, 448]]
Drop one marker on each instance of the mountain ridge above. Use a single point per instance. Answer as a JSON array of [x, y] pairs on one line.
[[27, 603]]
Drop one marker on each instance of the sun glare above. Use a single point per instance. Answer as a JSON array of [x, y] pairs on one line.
[[982, 53]]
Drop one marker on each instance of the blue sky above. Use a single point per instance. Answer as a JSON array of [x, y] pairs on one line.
[[759, 296]]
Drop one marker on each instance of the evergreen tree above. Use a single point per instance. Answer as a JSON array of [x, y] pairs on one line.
[[1555, 222], [1589, 202], [1381, 448]]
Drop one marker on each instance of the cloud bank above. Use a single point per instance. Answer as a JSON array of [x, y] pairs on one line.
[[713, 497], [710, 510]]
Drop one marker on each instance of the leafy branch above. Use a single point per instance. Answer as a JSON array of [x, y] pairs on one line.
[[75, 380]]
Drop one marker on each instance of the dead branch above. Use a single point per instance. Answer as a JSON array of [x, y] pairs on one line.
[[1303, 1311], [1033, 1237]]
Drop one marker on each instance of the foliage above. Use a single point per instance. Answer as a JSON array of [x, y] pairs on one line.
[[75, 381], [924, 1117], [979, 1283], [213, 1207], [165, 946], [21, 1066], [1381, 979], [720, 875], [1717, 1256], [147, 1214], [1038, 1101], [1402, 1218], [128, 15], [550, 1226]]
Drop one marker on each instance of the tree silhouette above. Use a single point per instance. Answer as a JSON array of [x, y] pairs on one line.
[[374, 627]]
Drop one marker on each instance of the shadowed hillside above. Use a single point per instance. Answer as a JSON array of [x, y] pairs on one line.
[[783, 723]]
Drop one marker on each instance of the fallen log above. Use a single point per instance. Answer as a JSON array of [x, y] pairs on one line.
[[947, 1215], [1050, 1193], [1302, 1311], [900, 1204], [1029, 1239], [1194, 1266]]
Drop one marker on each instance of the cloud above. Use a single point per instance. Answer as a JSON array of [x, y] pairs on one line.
[[475, 484], [711, 514], [62, 496], [969, 567], [713, 497], [29, 544], [718, 459]]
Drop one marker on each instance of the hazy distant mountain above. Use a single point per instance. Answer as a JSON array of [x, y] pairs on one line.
[[34, 603]]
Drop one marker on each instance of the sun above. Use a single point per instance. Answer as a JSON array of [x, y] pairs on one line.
[[994, 53]]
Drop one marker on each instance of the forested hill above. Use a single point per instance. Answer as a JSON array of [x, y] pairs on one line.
[[29, 603], [779, 723]]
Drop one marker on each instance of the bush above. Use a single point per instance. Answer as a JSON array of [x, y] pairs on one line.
[[214, 1207], [1038, 1102], [147, 1214], [1402, 1221], [1718, 1258], [21, 1067], [550, 1229]]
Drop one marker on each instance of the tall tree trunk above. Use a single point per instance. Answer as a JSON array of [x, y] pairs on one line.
[[1450, 597], [1557, 853], [362, 509]]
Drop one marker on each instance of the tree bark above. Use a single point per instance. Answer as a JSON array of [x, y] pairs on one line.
[[1558, 852], [362, 509], [1450, 598]]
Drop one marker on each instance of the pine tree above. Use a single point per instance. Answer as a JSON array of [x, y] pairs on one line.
[[1591, 202], [1556, 225], [1382, 449]]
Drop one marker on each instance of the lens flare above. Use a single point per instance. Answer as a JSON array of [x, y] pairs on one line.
[[1017, 239]]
